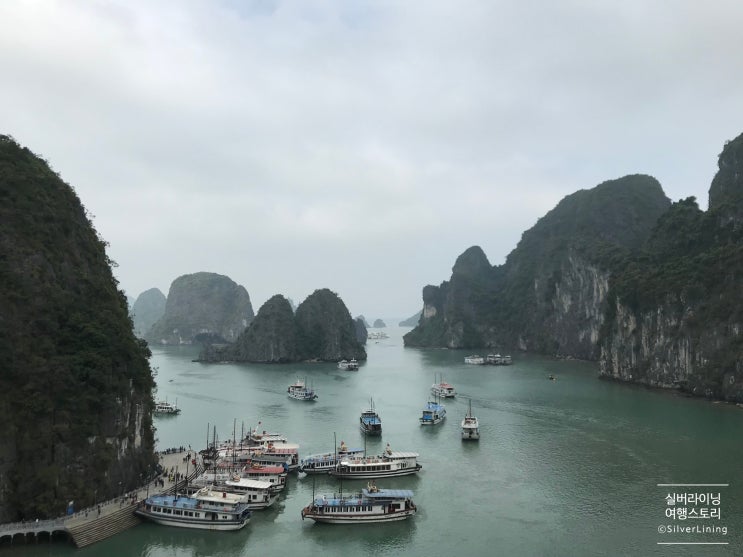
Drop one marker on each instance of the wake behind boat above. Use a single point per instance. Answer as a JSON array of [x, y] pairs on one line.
[[204, 510], [371, 505]]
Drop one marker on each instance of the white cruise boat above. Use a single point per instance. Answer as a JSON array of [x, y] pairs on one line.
[[433, 413], [443, 390], [386, 465], [256, 494], [371, 505], [300, 391], [205, 510], [165, 407], [474, 359], [498, 360], [323, 463], [349, 365], [470, 426]]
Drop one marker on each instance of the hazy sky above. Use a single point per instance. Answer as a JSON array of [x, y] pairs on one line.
[[358, 145]]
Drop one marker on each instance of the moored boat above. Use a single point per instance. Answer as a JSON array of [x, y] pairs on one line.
[[323, 463], [165, 407], [470, 426], [205, 510], [370, 422], [256, 494], [371, 505], [433, 413], [389, 464], [474, 359], [349, 365], [300, 391]]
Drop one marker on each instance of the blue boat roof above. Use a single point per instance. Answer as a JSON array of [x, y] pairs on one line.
[[366, 497], [433, 406], [388, 494]]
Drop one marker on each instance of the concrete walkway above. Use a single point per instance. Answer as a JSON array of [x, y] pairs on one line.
[[115, 515]]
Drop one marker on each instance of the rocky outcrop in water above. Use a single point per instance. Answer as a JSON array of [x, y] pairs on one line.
[[75, 383], [203, 307], [320, 330], [147, 309], [379, 324]]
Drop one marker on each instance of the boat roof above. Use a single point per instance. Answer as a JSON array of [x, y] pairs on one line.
[[248, 482], [208, 494], [388, 493], [433, 406]]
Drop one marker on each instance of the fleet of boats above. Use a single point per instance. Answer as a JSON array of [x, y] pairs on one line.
[[300, 391], [371, 505], [249, 474], [492, 359]]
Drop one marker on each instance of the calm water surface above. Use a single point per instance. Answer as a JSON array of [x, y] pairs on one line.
[[563, 468]]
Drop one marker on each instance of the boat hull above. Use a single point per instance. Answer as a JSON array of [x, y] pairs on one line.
[[374, 474], [340, 518], [223, 525]]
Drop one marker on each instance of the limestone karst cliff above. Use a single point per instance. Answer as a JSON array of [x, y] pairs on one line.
[[320, 330], [75, 383], [675, 317], [616, 274], [147, 309], [549, 296], [202, 306]]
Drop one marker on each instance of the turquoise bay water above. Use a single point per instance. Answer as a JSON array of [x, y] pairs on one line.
[[567, 467]]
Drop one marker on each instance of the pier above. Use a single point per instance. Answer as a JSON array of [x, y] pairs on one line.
[[107, 518]]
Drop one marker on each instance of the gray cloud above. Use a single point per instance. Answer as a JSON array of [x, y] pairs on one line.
[[359, 146]]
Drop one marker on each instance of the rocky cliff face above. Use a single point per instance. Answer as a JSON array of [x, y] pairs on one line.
[[271, 336], [203, 305], [320, 330], [675, 317], [147, 310], [549, 296], [75, 383]]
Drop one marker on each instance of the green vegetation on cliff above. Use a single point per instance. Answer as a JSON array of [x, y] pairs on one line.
[[75, 383], [515, 305], [203, 305], [321, 329]]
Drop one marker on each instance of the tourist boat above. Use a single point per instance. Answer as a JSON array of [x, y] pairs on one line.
[[205, 509], [349, 365], [323, 463], [300, 391], [275, 475], [370, 422], [165, 407], [443, 389], [386, 465], [474, 359], [371, 505], [256, 494], [433, 413], [498, 360], [470, 426]]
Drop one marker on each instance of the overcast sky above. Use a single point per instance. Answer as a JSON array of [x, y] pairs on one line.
[[358, 145]]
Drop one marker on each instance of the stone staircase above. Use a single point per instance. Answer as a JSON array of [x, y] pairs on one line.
[[104, 526]]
